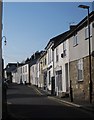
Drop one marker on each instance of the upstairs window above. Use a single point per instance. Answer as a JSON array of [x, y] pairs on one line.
[[49, 56], [33, 68], [64, 48], [75, 40], [56, 54], [45, 60], [87, 32], [25, 68]]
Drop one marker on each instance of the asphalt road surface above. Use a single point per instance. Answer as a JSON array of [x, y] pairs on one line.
[[27, 103]]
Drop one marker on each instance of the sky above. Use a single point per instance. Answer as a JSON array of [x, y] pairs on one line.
[[28, 26]]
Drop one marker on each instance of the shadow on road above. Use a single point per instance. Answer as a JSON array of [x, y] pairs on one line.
[[10, 96], [29, 112]]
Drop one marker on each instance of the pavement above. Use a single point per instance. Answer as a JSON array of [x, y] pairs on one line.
[[80, 104]]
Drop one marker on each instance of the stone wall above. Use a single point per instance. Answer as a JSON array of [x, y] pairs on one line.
[[80, 88], [86, 77]]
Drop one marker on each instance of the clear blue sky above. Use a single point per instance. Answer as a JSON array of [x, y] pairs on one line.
[[29, 26]]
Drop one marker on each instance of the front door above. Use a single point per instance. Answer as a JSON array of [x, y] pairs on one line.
[[58, 81]]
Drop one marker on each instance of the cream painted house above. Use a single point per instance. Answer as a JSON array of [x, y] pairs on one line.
[[79, 59]]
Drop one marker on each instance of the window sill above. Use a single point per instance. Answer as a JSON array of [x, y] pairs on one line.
[[88, 37], [75, 45], [80, 80]]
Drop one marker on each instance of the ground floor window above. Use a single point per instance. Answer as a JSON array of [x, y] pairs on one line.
[[80, 69]]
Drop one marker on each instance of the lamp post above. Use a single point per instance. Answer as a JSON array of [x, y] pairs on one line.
[[88, 23]]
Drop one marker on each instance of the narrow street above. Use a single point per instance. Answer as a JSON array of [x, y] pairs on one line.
[[25, 102]]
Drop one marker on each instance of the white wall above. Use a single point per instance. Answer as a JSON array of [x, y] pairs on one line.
[[14, 77], [25, 73], [61, 63], [49, 64], [37, 73], [19, 74], [33, 74]]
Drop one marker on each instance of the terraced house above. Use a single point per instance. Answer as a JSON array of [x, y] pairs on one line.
[[68, 61], [61, 64], [34, 68], [79, 60], [42, 83]]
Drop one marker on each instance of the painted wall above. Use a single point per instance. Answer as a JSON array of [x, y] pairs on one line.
[[82, 49], [49, 63], [33, 74], [14, 78], [25, 73], [60, 65], [19, 71]]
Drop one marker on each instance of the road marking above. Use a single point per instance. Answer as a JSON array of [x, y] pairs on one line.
[[36, 90]]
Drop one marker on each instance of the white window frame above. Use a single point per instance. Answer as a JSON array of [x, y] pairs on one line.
[[57, 56], [86, 32], [75, 40], [64, 48]]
